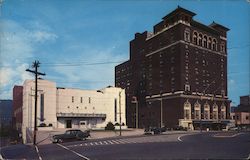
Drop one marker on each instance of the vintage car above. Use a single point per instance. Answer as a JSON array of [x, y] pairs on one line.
[[69, 135]]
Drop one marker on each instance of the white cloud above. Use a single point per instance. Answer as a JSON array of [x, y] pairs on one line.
[[18, 46]]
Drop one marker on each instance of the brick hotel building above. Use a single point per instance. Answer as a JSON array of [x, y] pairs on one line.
[[177, 75]]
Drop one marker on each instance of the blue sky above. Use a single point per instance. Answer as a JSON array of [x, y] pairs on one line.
[[69, 37]]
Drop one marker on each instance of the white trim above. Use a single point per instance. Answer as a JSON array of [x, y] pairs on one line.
[[223, 38], [187, 43]]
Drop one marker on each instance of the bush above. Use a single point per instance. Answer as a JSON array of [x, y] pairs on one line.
[[110, 126], [42, 125], [117, 124], [50, 125]]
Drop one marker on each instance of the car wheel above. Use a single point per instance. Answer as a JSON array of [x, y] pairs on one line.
[[83, 139], [59, 140]]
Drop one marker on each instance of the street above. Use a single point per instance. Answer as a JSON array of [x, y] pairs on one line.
[[190, 145]]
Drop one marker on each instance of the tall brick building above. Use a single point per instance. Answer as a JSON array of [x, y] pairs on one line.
[[177, 75]]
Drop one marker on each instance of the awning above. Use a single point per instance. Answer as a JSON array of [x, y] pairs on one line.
[[81, 115]]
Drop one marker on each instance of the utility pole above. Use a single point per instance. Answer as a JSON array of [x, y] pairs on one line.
[[36, 66]]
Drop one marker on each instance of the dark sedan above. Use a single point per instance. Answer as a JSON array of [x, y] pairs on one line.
[[69, 135]]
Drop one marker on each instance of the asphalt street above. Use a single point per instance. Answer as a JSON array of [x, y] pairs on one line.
[[205, 145]]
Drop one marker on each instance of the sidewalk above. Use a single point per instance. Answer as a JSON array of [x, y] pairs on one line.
[[43, 137]]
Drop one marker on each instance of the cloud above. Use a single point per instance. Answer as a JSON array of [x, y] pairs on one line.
[[18, 45]]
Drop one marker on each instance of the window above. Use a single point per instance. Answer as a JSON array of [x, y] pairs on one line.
[[187, 36], [81, 100], [72, 99], [187, 87], [205, 41], [214, 45], [89, 100], [200, 40], [206, 111], [197, 110], [209, 43], [115, 110], [42, 107], [222, 48], [195, 38], [187, 110]]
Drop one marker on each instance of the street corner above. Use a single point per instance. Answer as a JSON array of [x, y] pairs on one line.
[[19, 151]]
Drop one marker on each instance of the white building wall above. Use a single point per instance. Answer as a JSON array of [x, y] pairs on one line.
[[49, 90], [93, 102], [59, 100]]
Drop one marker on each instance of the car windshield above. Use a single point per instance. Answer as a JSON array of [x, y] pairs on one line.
[[68, 132]]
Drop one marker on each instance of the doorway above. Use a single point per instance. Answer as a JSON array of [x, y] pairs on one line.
[[68, 124]]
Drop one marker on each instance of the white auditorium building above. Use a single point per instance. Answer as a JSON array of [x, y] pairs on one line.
[[71, 108]]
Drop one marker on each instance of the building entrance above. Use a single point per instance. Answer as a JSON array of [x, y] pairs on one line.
[[68, 124]]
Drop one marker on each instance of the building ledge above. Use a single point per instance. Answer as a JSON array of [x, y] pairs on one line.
[[83, 115]]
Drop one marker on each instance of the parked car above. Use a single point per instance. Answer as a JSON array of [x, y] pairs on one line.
[[69, 135], [153, 130], [179, 128]]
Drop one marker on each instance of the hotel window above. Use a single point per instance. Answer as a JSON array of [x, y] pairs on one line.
[[187, 110], [72, 99], [187, 35], [200, 40], [89, 100], [214, 45], [187, 87], [195, 38], [206, 111], [222, 47], [81, 99], [215, 111], [209, 43], [197, 110], [205, 41]]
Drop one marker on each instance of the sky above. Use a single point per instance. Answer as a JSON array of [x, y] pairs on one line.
[[79, 42]]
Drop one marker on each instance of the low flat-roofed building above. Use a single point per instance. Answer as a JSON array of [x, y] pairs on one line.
[[71, 108]]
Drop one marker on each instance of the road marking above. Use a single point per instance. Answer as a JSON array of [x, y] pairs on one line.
[[91, 144], [96, 143], [105, 142], [248, 158], [115, 141], [37, 151], [100, 143], [179, 138], [1, 157], [110, 142], [226, 136], [80, 155]]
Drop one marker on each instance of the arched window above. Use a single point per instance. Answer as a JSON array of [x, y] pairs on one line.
[[197, 110], [205, 41], [195, 38], [209, 43], [214, 45], [223, 111], [215, 111], [222, 47], [187, 110], [206, 111], [200, 40]]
